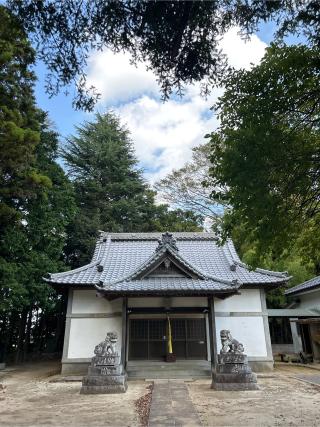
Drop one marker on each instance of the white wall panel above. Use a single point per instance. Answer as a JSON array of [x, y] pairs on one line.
[[310, 300], [86, 333], [248, 301], [247, 330], [86, 301]]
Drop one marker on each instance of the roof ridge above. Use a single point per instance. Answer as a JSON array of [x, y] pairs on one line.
[[180, 235]]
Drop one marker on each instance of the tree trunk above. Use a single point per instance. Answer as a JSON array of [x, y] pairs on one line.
[[27, 337], [61, 324], [21, 334]]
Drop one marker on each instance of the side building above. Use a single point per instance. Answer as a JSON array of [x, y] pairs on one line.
[[138, 282], [296, 329]]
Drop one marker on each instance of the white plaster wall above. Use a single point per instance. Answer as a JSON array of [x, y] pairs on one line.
[[170, 302], [248, 301], [86, 333], [310, 300], [86, 301], [248, 330]]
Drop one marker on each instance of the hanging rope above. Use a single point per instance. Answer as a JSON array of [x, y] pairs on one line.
[[169, 336]]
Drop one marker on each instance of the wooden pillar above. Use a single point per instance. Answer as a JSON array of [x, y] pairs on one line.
[[212, 333], [124, 333]]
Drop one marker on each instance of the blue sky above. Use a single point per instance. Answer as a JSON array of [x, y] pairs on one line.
[[163, 133]]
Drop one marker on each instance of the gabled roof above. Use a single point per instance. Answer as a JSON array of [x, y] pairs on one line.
[[304, 287], [122, 262]]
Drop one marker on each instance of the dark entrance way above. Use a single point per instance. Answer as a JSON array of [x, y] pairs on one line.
[[148, 338]]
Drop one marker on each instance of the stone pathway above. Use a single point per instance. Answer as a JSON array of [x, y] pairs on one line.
[[311, 378], [171, 405]]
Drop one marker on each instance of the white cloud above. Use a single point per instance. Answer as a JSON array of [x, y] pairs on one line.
[[242, 53], [117, 79], [163, 133]]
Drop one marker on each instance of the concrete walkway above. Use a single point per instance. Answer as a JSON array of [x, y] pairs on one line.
[[171, 405]]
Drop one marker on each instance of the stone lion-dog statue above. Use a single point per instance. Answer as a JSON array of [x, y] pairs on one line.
[[229, 344], [108, 346]]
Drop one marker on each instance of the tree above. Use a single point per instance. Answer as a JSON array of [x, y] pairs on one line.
[[111, 193], [265, 155], [29, 250], [179, 40], [19, 128], [165, 219], [185, 188]]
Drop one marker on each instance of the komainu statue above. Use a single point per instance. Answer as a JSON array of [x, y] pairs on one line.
[[229, 344], [108, 346]]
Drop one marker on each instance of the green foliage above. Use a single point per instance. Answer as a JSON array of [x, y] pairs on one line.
[[178, 39], [34, 247], [36, 200], [19, 129], [265, 155], [111, 194], [165, 219]]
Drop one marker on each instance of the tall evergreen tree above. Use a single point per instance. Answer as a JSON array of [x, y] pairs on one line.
[[111, 193], [35, 197], [19, 127], [31, 249]]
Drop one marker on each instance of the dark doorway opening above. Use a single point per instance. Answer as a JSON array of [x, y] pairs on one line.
[[306, 338], [148, 338]]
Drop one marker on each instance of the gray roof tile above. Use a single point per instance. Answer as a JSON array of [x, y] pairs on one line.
[[123, 254], [303, 287]]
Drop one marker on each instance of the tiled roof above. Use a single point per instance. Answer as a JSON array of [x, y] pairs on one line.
[[303, 287], [120, 258]]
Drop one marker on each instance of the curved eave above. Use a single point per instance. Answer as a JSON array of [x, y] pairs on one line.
[[234, 260], [266, 285], [111, 294]]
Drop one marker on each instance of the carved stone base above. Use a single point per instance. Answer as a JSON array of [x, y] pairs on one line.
[[234, 386], [234, 373], [104, 389], [106, 374], [104, 382]]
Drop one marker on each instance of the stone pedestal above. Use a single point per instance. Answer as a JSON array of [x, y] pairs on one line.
[[106, 374], [233, 373]]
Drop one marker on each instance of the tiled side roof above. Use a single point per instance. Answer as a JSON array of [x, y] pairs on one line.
[[303, 287], [118, 256]]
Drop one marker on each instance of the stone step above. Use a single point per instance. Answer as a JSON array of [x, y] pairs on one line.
[[182, 369], [167, 375], [168, 366]]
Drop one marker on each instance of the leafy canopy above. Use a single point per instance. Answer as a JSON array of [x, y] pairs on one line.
[[265, 155], [179, 40], [184, 187]]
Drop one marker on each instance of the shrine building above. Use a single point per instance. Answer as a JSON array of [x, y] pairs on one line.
[[139, 283]]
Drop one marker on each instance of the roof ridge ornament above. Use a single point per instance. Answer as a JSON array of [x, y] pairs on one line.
[[166, 240]]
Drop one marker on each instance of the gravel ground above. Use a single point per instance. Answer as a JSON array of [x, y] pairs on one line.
[[281, 401], [30, 399]]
